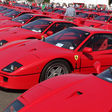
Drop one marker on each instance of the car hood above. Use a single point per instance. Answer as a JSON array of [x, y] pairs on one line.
[[4, 18], [70, 93], [17, 33], [18, 50], [93, 22], [9, 23], [78, 19]]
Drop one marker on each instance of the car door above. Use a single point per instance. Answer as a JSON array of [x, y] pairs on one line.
[[101, 45]]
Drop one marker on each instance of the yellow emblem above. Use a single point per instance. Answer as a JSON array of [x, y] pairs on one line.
[[42, 36], [76, 57]]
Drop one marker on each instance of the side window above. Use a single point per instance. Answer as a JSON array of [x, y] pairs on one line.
[[99, 42], [88, 43], [110, 19], [51, 28], [59, 26], [35, 18], [39, 17], [102, 42], [91, 16]]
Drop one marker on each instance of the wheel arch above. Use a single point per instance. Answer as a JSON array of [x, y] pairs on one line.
[[58, 59]]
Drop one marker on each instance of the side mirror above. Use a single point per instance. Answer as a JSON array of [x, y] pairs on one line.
[[49, 33], [87, 50], [110, 21], [97, 66], [90, 18]]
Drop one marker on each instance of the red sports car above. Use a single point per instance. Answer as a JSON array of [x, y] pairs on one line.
[[21, 20], [104, 12], [107, 26], [82, 17], [68, 93], [25, 63], [98, 21], [6, 11], [2, 8], [57, 13], [13, 14], [36, 29]]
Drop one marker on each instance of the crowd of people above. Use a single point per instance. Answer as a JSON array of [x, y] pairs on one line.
[[57, 5], [69, 6]]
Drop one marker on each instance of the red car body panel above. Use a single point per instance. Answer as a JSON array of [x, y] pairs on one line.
[[81, 19], [58, 13], [97, 23], [9, 23], [107, 26], [35, 54], [13, 34], [9, 18], [71, 92]]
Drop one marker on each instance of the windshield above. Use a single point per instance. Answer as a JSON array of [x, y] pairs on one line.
[[86, 10], [102, 18], [38, 8], [14, 106], [59, 11], [23, 18], [49, 10], [3, 8], [82, 15], [104, 11], [37, 25], [12, 14], [106, 75], [69, 38], [6, 11]]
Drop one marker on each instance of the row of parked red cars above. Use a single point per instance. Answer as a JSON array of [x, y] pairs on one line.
[[37, 45]]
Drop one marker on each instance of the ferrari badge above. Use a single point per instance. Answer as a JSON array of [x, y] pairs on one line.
[[76, 57]]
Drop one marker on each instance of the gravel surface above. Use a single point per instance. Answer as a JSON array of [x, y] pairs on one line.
[[7, 96]]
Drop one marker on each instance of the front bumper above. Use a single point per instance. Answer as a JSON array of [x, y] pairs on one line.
[[18, 82]]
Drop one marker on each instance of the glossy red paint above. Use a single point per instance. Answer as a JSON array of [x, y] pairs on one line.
[[13, 14], [37, 56], [82, 17], [12, 34], [70, 92], [21, 20], [99, 21]]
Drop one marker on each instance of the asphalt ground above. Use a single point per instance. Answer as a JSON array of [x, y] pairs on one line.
[[7, 96]]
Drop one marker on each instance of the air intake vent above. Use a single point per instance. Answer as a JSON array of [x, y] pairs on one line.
[[75, 94], [79, 93]]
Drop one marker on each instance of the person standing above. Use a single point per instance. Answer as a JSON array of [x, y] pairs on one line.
[[43, 6], [70, 11]]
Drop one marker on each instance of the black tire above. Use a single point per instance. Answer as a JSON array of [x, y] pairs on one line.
[[55, 68]]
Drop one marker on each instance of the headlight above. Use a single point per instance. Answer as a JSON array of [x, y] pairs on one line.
[[12, 67], [14, 106], [2, 42]]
